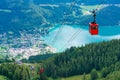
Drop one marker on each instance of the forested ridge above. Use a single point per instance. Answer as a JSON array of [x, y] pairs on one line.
[[15, 71], [37, 58], [77, 61]]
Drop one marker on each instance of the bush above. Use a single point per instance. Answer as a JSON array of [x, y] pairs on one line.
[[94, 74], [43, 76], [104, 72]]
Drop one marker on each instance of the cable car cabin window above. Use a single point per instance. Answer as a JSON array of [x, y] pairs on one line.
[[94, 27]]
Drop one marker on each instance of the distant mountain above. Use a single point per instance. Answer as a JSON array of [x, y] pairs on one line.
[[107, 16], [29, 14], [26, 14], [16, 16], [87, 2]]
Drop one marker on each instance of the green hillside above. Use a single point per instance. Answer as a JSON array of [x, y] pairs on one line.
[[14, 71], [112, 76], [78, 77], [37, 58], [77, 61]]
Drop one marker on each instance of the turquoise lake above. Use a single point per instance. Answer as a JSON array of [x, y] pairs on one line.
[[79, 35]]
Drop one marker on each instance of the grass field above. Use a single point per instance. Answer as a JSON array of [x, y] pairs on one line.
[[77, 77]]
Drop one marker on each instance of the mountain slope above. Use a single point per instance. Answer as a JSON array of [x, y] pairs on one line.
[[109, 16], [76, 61], [88, 2], [29, 14]]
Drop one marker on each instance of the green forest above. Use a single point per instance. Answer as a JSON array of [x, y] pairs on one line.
[[101, 61], [102, 57], [14, 71], [37, 58]]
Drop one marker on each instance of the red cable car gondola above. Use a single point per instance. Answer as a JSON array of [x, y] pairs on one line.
[[41, 71], [93, 26]]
